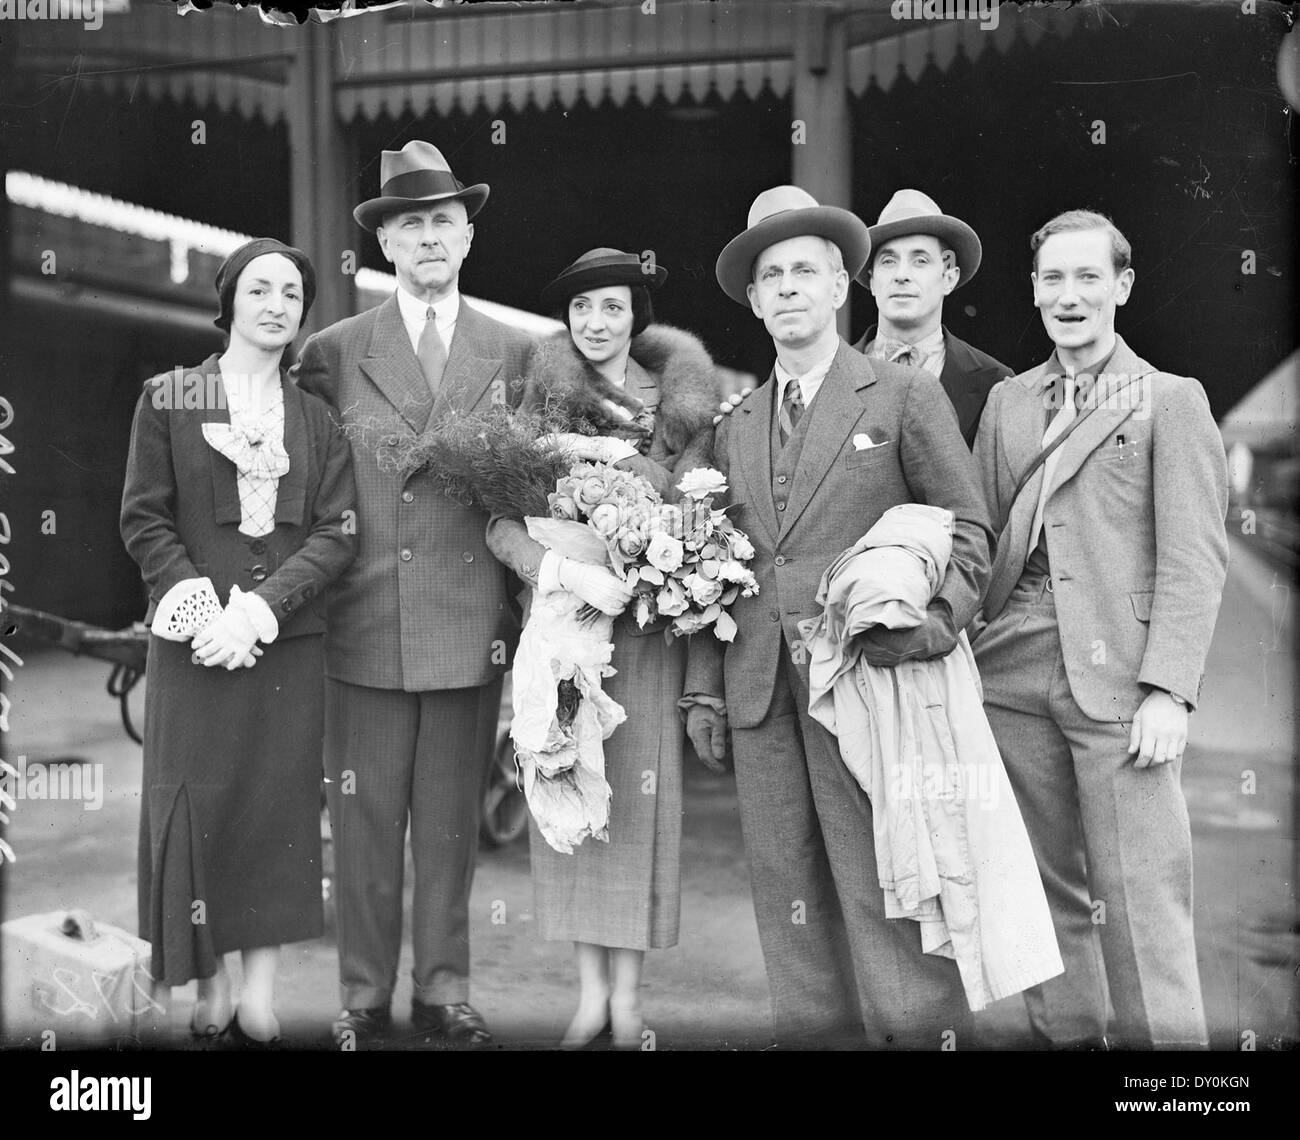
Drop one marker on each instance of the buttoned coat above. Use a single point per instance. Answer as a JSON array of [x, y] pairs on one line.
[[839, 490], [425, 605], [968, 375], [180, 505], [1134, 520]]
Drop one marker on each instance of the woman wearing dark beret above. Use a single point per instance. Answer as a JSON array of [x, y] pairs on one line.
[[239, 509], [650, 391]]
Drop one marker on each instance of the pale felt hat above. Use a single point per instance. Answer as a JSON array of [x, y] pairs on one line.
[[786, 212], [417, 175], [912, 212]]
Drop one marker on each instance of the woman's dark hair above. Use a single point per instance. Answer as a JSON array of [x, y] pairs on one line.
[[643, 313]]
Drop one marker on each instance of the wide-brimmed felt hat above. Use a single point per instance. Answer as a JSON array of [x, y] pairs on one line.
[[415, 176], [786, 212], [600, 267], [912, 212]]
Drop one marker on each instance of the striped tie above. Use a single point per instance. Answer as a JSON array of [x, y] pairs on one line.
[[792, 409], [432, 352]]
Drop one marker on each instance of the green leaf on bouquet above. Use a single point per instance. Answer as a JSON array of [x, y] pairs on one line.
[[708, 551], [729, 596], [652, 574], [572, 539], [712, 613], [724, 629]]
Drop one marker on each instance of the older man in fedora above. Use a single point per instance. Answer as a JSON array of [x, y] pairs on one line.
[[919, 255], [814, 457], [421, 625]]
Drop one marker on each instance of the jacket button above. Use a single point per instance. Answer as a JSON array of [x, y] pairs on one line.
[[779, 560], [780, 479], [258, 573], [405, 556], [467, 556], [286, 604], [774, 615], [408, 497], [780, 506], [257, 546]]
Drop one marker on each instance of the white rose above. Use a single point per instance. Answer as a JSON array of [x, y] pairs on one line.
[[664, 552], [741, 547], [704, 591], [701, 482]]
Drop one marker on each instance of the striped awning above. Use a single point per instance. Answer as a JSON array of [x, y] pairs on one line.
[[420, 59]]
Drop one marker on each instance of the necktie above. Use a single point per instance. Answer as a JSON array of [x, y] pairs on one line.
[[432, 352], [1059, 423], [791, 410], [903, 354]]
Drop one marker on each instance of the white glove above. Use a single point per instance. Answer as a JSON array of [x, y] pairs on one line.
[[595, 585], [229, 641]]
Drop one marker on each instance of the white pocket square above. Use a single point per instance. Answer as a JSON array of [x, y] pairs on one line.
[[862, 442]]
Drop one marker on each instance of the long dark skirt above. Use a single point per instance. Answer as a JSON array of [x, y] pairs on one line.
[[626, 892], [230, 855]]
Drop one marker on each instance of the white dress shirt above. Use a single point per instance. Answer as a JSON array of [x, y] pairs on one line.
[[809, 383], [415, 314]]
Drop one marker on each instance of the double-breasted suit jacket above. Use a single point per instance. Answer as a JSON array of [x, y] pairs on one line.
[[968, 375], [836, 494], [1135, 528], [425, 601]]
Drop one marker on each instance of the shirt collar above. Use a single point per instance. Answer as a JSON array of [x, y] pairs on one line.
[[1085, 378], [414, 311], [812, 378]]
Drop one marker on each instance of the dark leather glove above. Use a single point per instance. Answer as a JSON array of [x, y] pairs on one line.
[[936, 636], [707, 729]]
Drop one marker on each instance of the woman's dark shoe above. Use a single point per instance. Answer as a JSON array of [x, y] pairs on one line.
[[238, 1039]]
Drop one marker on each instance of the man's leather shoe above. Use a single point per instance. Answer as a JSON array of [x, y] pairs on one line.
[[361, 1024], [458, 1024]]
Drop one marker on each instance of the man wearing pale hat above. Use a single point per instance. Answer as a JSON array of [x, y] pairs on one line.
[[813, 458], [919, 255], [420, 626]]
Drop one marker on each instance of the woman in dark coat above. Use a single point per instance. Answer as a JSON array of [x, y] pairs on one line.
[[238, 490], [654, 385]]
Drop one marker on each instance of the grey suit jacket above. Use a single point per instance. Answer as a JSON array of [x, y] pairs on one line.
[[837, 494], [425, 605], [1135, 528]]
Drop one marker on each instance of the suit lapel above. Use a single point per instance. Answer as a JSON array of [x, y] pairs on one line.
[[291, 491], [471, 366], [1123, 366], [393, 368], [835, 411], [753, 428]]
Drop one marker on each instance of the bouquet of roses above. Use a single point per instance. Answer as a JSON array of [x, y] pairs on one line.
[[683, 561], [695, 562]]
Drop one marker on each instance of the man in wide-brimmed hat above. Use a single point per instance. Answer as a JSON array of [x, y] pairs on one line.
[[420, 626], [919, 255], [814, 457]]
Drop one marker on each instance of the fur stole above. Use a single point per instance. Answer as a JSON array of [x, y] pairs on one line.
[[560, 377]]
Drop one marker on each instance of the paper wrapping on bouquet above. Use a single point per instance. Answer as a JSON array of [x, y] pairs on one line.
[[65, 972], [564, 765]]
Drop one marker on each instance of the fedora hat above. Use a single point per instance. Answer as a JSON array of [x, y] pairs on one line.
[[785, 212], [911, 212], [600, 267], [415, 176]]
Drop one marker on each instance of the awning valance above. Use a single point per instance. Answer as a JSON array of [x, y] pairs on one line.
[[507, 57]]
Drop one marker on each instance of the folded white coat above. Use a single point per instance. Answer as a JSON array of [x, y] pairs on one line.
[[564, 767], [951, 847]]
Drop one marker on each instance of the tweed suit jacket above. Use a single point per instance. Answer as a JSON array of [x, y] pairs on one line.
[[1134, 520], [967, 376], [425, 605], [837, 494], [180, 504]]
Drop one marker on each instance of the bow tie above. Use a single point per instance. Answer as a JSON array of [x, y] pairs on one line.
[[251, 451]]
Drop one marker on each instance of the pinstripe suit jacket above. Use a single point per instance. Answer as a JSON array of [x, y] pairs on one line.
[[425, 605], [1135, 529]]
